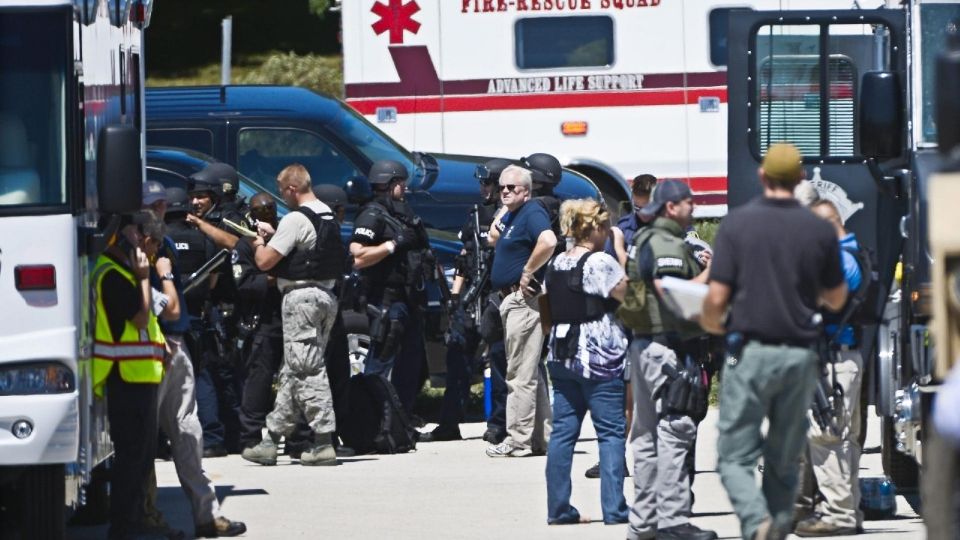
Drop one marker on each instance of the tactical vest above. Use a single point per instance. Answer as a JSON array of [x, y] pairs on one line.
[[327, 259], [551, 204], [642, 310], [139, 352], [191, 247], [568, 301]]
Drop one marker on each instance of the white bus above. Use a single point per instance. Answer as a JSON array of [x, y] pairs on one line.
[[614, 88], [71, 151]]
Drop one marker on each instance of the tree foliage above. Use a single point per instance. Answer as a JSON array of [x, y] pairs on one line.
[[319, 7]]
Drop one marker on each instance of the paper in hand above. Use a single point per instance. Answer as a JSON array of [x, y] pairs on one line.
[[685, 297]]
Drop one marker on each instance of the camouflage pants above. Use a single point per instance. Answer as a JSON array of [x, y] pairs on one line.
[[308, 315]]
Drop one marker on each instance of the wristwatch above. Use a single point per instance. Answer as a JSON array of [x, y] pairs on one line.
[[167, 277]]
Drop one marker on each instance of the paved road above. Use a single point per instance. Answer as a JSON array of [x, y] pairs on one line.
[[447, 490]]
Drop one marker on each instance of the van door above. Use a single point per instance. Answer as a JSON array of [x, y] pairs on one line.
[[795, 76]]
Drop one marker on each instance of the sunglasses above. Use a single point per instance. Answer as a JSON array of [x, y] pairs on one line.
[[510, 188]]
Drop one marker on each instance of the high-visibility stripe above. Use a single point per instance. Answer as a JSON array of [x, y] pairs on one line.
[[113, 352]]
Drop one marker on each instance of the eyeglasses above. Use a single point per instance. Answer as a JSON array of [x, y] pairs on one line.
[[510, 188]]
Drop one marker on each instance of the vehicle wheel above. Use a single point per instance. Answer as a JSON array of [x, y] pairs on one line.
[[901, 468], [938, 488], [42, 509], [96, 511], [610, 190]]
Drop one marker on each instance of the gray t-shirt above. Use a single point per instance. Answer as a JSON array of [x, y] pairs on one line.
[[296, 231]]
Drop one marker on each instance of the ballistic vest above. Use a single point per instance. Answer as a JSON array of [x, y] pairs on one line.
[[139, 352], [569, 303]]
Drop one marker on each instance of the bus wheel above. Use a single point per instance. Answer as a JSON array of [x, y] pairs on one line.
[[42, 508]]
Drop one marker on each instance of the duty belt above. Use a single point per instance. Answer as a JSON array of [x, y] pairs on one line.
[[509, 289], [305, 285]]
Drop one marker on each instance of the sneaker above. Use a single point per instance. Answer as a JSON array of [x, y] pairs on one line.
[[687, 531], [345, 451], [442, 433], [593, 472], [507, 450], [264, 453], [321, 453], [813, 527], [220, 526], [494, 436]]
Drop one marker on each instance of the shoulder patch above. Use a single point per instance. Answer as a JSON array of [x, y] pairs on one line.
[[363, 231], [234, 257]]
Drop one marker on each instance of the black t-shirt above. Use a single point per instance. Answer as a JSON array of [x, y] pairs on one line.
[[776, 256], [371, 228], [121, 299]]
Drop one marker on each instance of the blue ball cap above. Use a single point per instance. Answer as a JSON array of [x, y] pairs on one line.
[[666, 191]]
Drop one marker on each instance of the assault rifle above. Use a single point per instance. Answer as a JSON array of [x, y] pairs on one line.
[[200, 276], [481, 270]]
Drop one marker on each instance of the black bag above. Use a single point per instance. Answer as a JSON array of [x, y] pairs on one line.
[[376, 421], [865, 306]]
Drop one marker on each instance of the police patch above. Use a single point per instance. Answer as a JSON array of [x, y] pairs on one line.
[[237, 270], [234, 257], [669, 262], [363, 231]]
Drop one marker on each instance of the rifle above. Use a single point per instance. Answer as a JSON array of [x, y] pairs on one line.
[[200, 276], [481, 271]]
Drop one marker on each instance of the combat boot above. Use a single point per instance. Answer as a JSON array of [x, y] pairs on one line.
[[321, 453], [264, 453]]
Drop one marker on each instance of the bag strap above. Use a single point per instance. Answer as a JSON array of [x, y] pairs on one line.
[[640, 239]]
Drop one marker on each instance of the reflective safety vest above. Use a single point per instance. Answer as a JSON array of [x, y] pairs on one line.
[[139, 352]]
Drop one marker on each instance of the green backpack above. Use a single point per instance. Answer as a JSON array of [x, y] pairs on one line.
[[634, 311]]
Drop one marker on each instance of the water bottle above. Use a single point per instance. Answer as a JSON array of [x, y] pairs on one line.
[[487, 393], [878, 498], [888, 497]]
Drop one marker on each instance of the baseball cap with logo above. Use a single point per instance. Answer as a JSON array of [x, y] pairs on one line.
[[783, 164], [666, 191], [153, 191]]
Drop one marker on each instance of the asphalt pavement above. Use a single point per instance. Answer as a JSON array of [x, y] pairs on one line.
[[450, 490]]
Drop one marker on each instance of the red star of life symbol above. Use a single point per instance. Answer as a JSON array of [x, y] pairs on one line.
[[396, 16]]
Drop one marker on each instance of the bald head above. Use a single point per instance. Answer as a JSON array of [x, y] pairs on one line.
[[828, 211], [263, 208]]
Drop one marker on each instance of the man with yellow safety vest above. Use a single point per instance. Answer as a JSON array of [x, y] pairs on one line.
[[127, 366]]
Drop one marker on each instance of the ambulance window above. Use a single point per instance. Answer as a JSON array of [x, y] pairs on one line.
[[200, 140], [561, 42], [789, 88], [719, 20], [264, 152], [935, 21]]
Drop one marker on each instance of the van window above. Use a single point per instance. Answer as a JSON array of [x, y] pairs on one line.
[[561, 42], [200, 140], [264, 152], [719, 20]]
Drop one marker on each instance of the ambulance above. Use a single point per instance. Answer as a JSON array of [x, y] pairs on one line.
[[614, 88], [71, 147]]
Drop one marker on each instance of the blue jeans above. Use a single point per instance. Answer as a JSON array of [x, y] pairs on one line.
[[405, 365], [573, 396]]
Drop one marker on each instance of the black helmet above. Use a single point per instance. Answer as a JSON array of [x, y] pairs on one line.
[[489, 172], [177, 200], [331, 195], [546, 169], [385, 171], [218, 178]]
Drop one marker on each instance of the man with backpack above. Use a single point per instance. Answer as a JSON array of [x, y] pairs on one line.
[[832, 459], [669, 393], [307, 256]]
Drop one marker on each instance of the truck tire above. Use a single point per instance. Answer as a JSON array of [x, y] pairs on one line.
[[901, 468], [96, 510], [42, 508]]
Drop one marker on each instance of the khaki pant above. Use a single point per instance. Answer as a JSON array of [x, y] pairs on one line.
[[831, 462], [528, 400]]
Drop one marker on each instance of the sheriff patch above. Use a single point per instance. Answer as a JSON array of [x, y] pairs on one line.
[[669, 262], [363, 231]]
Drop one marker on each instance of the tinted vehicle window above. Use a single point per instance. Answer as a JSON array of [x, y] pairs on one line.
[[559, 42], [200, 140], [167, 178], [264, 152], [33, 64], [719, 22]]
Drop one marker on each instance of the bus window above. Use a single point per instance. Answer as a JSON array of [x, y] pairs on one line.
[[563, 42]]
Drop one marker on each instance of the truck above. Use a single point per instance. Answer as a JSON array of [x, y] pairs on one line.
[[855, 91], [614, 88], [71, 121]]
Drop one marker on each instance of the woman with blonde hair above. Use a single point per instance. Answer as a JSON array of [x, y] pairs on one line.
[[586, 360]]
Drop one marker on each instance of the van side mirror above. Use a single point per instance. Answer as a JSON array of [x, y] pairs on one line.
[[119, 170], [358, 190], [881, 115], [946, 91]]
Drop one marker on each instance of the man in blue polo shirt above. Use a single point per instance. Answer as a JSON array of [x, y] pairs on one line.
[[523, 247]]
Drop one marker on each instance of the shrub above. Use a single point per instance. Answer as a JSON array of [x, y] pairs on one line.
[[320, 73]]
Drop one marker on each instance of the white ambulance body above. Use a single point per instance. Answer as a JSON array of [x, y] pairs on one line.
[[614, 88]]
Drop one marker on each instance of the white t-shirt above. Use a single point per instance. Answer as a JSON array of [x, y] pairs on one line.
[[296, 231]]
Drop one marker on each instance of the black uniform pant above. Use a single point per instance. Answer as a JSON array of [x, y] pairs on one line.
[[337, 360], [132, 411], [262, 355]]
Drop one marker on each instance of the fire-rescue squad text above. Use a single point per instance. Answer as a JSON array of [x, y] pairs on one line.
[[494, 6], [565, 83]]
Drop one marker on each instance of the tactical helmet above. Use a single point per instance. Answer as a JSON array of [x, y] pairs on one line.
[[385, 171], [546, 169], [217, 178], [489, 172], [177, 200], [331, 195]]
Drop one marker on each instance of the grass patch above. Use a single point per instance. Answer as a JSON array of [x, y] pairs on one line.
[[707, 229]]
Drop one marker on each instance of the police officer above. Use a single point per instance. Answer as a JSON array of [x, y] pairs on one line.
[[260, 330], [664, 351], [621, 236], [387, 244], [546, 171], [463, 337], [219, 378]]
